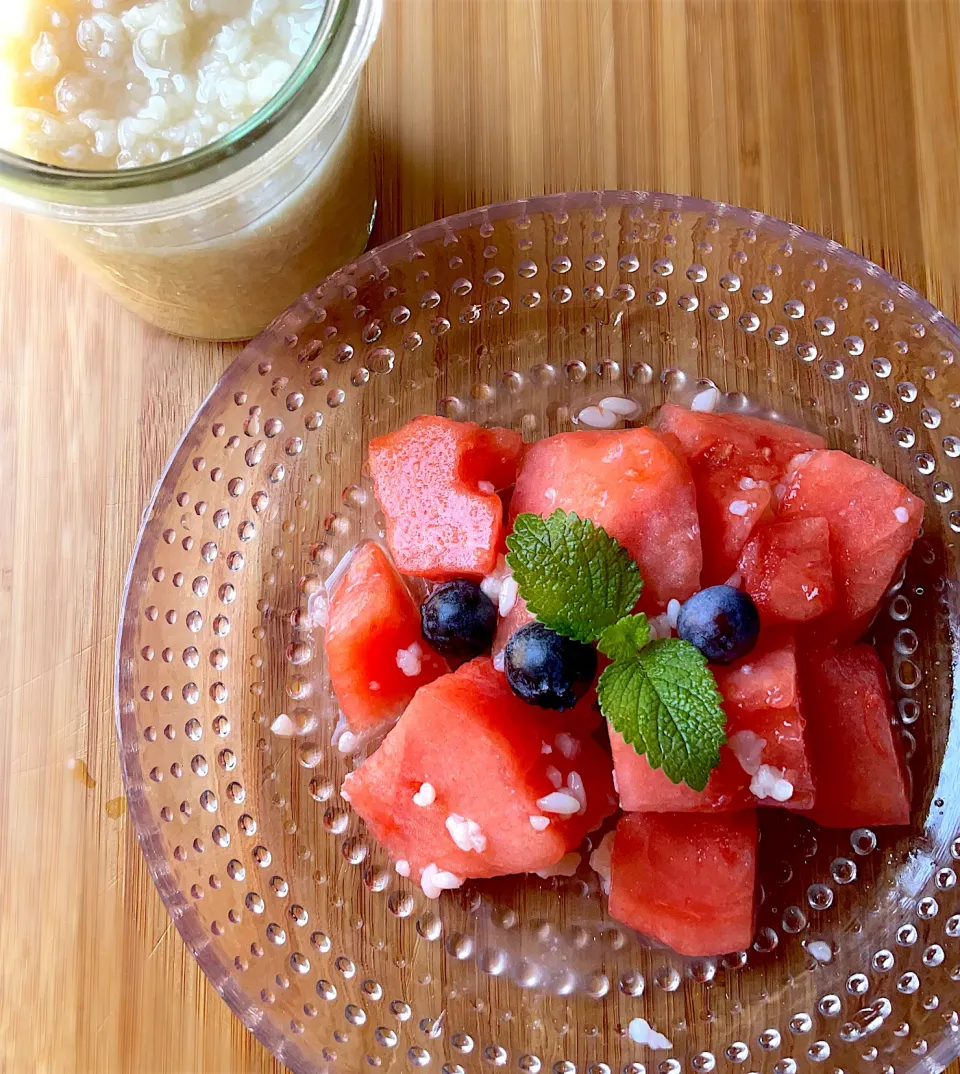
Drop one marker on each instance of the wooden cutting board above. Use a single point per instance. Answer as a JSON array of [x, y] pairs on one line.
[[842, 116]]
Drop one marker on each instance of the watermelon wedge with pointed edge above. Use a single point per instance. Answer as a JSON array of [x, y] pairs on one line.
[[437, 483], [788, 570], [765, 726], [687, 880], [855, 749], [873, 522], [633, 484], [376, 656], [464, 784], [736, 462]]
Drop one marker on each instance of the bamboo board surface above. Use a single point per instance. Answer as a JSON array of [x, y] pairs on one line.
[[843, 116]]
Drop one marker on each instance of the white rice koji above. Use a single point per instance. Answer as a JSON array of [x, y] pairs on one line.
[[106, 84]]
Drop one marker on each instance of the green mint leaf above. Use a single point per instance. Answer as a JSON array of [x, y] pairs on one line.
[[665, 703], [625, 638], [575, 578]]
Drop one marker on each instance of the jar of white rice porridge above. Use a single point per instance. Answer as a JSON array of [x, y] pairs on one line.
[[206, 160]]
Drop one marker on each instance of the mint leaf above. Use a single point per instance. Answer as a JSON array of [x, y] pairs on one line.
[[665, 703], [626, 638], [575, 578]]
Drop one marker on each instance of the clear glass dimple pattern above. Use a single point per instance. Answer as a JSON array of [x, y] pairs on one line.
[[520, 315]]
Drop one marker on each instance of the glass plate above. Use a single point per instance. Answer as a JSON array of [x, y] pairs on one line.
[[520, 314]]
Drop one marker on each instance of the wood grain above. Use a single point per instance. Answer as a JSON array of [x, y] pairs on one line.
[[842, 116]]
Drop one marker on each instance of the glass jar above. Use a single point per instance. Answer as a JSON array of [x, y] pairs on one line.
[[216, 243]]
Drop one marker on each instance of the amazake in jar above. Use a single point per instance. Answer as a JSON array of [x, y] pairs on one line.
[[237, 182]]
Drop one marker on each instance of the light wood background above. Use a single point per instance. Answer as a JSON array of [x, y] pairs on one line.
[[843, 115]]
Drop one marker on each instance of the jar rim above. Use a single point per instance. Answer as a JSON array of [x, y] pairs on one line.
[[34, 180]]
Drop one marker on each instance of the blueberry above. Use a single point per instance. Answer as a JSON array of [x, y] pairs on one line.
[[458, 619], [547, 669], [721, 621]]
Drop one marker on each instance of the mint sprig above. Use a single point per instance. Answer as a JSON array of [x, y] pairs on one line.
[[625, 638], [665, 703], [658, 693], [575, 578]]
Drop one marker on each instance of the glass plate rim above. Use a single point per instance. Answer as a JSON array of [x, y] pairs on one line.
[[183, 913]]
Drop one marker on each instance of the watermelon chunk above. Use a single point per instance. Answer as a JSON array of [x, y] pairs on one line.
[[736, 461], [873, 522], [765, 727], [860, 774], [631, 483], [787, 569], [436, 481], [481, 751], [688, 881], [518, 616], [376, 656]]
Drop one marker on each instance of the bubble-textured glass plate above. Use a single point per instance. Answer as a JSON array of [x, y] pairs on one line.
[[519, 315]]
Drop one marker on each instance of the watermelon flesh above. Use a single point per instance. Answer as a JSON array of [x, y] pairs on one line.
[[472, 782], [736, 462], [436, 481], [687, 880], [766, 742], [787, 568], [518, 616], [857, 761], [636, 487], [482, 755], [376, 656], [873, 521], [730, 508]]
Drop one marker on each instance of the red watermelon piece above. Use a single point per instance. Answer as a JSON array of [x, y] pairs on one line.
[[857, 761], [518, 616], [373, 634], [480, 750], [436, 481], [687, 880], [736, 462], [585, 716], [786, 567], [873, 522], [765, 727], [636, 487]]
